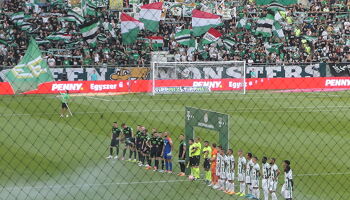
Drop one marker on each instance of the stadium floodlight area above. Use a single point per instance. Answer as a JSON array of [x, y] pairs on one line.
[[197, 77]]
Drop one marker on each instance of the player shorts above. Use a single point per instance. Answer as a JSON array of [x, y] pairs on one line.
[[138, 146], [241, 177], [272, 185], [167, 155], [129, 141], [217, 170], [114, 143], [222, 175], [64, 105], [146, 150], [206, 164], [154, 152], [255, 183], [247, 180], [265, 184], [230, 176], [159, 152], [287, 194], [194, 161]]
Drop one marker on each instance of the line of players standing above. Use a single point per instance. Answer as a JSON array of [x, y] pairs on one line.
[[218, 164]]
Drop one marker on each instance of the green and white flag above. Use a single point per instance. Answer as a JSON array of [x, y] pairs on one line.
[[59, 37], [90, 31], [310, 38], [19, 16], [130, 28], [241, 23], [273, 48], [74, 17], [89, 8], [264, 26], [184, 37], [229, 43], [108, 27], [283, 2], [31, 71], [150, 15], [277, 29]]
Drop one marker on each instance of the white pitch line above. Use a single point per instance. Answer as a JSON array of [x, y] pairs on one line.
[[98, 98], [242, 110], [324, 174], [89, 185]]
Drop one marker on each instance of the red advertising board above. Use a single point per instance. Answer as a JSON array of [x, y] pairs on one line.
[[214, 85], [6, 89]]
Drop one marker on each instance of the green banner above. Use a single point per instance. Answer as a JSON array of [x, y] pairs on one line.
[[30, 71]]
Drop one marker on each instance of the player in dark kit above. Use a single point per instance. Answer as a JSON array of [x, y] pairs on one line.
[[160, 149], [145, 149], [128, 135], [114, 141], [138, 141], [153, 142]]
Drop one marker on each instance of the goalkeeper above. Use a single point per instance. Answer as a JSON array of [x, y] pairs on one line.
[[64, 100]]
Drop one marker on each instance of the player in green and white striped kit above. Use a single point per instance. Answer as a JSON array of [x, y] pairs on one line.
[[64, 100], [273, 179], [287, 187]]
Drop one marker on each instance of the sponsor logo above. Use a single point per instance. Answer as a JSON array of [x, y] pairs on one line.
[[337, 82], [67, 86], [209, 84], [100, 87]]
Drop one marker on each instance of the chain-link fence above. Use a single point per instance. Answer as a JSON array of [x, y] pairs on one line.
[[92, 143]]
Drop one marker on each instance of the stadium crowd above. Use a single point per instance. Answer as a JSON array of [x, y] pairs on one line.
[[221, 168], [317, 32]]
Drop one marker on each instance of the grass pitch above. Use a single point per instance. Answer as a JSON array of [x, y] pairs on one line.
[[44, 156]]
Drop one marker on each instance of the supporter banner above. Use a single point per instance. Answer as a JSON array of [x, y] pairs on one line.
[[339, 69], [118, 73], [256, 71], [137, 86], [115, 4]]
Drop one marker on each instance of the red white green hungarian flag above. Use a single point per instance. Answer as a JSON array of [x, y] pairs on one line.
[[211, 36], [156, 41], [150, 15], [130, 27], [203, 21]]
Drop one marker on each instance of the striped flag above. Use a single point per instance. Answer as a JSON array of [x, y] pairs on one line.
[[211, 36], [241, 23], [59, 37], [156, 41], [108, 27], [229, 43], [150, 15], [275, 7], [90, 31], [203, 21], [264, 26], [74, 17], [19, 16], [130, 28], [88, 7], [184, 37]]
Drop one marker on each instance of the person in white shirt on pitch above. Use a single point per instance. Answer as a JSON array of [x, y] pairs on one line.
[[288, 185], [222, 177], [230, 172], [266, 170], [273, 179], [241, 173], [248, 170], [255, 178], [218, 166]]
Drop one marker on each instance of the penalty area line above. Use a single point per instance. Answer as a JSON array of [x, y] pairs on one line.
[[324, 174], [90, 185], [101, 99]]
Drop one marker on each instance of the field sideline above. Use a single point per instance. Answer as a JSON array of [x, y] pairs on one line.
[[48, 157]]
